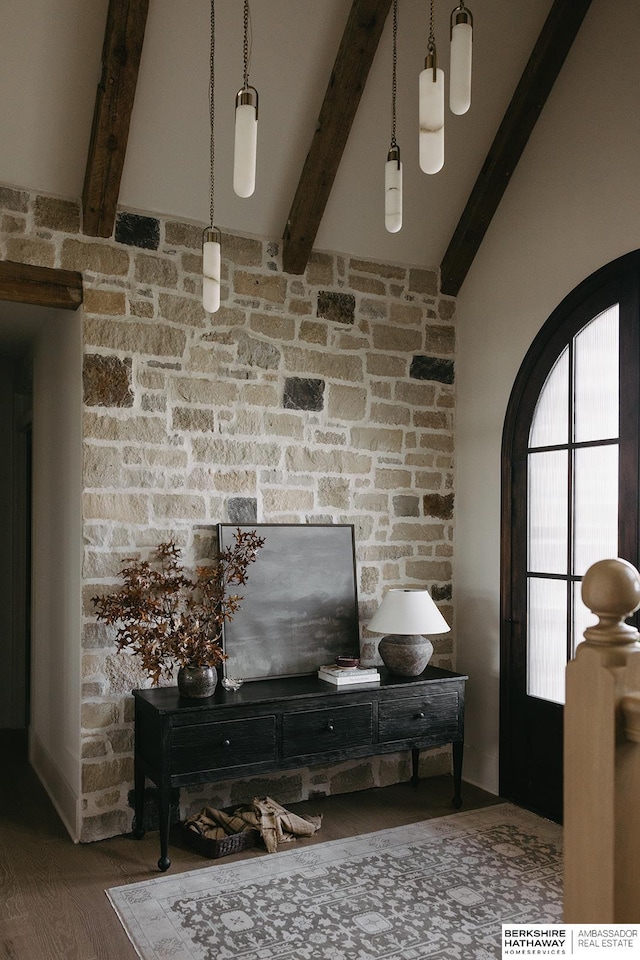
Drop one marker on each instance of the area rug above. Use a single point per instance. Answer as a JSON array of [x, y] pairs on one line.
[[435, 889]]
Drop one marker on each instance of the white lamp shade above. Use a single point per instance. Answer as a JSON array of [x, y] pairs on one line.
[[460, 68], [211, 276], [431, 116], [393, 195], [245, 150], [408, 612]]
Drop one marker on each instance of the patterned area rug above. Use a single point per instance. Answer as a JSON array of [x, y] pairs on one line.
[[435, 889]]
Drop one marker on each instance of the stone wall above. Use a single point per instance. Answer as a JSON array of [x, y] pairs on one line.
[[323, 398]]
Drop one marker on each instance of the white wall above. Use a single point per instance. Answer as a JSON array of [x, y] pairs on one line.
[[573, 205], [54, 734]]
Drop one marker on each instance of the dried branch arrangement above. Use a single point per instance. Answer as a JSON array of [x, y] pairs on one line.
[[166, 616]]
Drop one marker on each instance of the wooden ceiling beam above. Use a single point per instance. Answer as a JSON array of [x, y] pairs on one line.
[[348, 78], [122, 48], [40, 286], [545, 63]]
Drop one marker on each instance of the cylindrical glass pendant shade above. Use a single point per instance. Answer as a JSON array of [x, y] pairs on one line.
[[246, 143], [431, 115], [211, 271], [393, 191], [460, 79]]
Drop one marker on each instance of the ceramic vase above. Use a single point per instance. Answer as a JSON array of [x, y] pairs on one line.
[[197, 683]]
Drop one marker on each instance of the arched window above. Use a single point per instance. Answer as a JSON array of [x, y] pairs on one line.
[[569, 498]]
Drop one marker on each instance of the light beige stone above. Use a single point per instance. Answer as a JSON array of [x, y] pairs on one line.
[[386, 270], [334, 492], [55, 214], [96, 715], [287, 425], [274, 326], [391, 337], [381, 365], [94, 256], [393, 479], [116, 507], [40, 253], [299, 460], [204, 392], [97, 300], [100, 775], [155, 270], [291, 499], [334, 366], [346, 403], [102, 466], [376, 438], [229, 452], [183, 310], [198, 419], [178, 506], [419, 530], [270, 287], [145, 429], [131, 336], [390, 413]]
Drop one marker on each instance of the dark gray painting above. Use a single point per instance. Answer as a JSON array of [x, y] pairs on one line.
[[300, 604]]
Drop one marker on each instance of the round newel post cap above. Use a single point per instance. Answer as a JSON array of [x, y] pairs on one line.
[[611, 590]]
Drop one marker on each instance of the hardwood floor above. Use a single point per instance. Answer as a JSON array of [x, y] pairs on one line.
[[52, 900]]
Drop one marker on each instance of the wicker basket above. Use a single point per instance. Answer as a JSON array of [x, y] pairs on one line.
[[231, 843]]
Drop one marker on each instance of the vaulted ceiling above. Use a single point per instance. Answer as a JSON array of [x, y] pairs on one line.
[[109, 99]]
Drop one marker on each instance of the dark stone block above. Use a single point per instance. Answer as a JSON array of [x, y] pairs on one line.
[[441, 593], [137, 231], [106, 381], [432, 368], [303, 393], [438, 505], [340, 307], [242, 510]]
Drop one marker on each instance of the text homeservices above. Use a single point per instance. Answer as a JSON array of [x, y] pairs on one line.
[[551, 940]]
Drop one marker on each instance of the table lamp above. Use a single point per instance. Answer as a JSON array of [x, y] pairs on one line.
[[407, 615]]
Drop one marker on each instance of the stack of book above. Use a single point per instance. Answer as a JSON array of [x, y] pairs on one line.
[[341, 676]]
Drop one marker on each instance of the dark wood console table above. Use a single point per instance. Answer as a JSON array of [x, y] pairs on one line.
[[278, 724]]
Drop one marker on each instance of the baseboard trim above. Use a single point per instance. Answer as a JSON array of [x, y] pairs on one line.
[[64, 799]]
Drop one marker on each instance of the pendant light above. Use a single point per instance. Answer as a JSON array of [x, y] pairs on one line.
[[460, 64], [246, 133], [211, 236], [431, 108], [393, 166]]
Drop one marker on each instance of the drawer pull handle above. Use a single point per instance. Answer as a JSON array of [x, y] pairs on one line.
[[226, 744], [421, 715], [330, 726]]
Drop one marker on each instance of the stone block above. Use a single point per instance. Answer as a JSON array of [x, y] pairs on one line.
[[371, 502], [177, 234], [17, 200], [346, 403], [137, 231], [406, 314], [301, 308], [106, 381], [437, 505], [178, 506], [91, 749], [204, 391], [130, 508], [388, 271], [312, 332], [272, 288], [54, 214], [376, 438], [193, 419], [309, 460], [320, 269], [422, 532], [357, 777], [40, 253], [157, 271], [111, 302], [369, 579], [257, 353], [337, 307], [367, 285], [432, 368], [423, 281], [183, 310], [108, 773], [111, 824], [96, 257], [234, 453], [273, 325], [335, 366], [286, 500], [417, 393], [242, 510], [431, 420], [396, 339], [147, 339], [406, 506], [334, 492], [440, 340], [390, 413], [303, 393], [245, 251], [389, 479], [428, 571], [382, 365], [95, 715], [9, 224], [144, 429]]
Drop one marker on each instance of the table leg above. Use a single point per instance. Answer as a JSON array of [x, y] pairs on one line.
[[415, 763], [164, 815], [458, 747], [138, 818]]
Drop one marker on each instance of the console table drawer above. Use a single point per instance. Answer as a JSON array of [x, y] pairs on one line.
[[325, 731], [416, 718], [229, 743]]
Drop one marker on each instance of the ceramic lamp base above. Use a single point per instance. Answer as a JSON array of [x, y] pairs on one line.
[[404, 655]]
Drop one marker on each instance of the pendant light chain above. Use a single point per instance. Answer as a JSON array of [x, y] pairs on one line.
[[212, 140], [431, 45], [246, 45], [394, 75]]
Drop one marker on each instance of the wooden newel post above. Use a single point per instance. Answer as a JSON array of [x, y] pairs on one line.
[[602, 754]]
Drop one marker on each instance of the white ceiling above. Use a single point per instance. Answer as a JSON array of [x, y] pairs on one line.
[[50, 65]]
